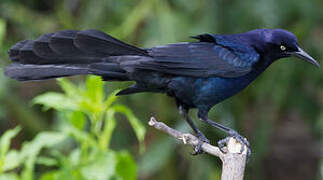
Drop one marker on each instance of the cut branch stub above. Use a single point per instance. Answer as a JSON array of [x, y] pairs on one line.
[[233, 161]]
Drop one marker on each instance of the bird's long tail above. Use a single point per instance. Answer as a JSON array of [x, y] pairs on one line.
[[67, 53]]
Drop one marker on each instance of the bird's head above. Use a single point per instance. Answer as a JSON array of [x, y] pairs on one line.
[[278, 43]]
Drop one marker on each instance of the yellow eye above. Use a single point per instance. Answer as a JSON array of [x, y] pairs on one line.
[[283, 48]]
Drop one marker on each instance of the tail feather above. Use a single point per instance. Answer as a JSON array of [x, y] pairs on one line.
[[101, 43], [32, 72], [67, 53], [41, 46], [27, 56], [62, 43], [15, 50]]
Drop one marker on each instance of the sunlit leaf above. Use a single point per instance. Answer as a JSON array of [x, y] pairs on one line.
[[94, 89], [111, 99], [12, 160], [69, 88], [75, 157], [46, 161], [6, 139], [78, 119], [2, 31], [31, 150], [103, 167], [9, 176], [89, 107], [65, 174], [56, 101], [51, 175], [5, 142]]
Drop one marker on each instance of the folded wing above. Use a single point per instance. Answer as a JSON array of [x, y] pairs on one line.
[[199, 59]]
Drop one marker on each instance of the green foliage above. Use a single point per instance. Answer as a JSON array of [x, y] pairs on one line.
[[5, 157], [2, 31], [91, 158]]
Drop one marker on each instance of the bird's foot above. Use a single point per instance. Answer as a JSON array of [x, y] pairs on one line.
[[240, 139], [198, 148]]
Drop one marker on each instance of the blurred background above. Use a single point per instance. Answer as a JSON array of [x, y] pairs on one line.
[[280, 113]]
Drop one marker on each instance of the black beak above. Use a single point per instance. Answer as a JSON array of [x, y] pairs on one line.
[[304, 56]]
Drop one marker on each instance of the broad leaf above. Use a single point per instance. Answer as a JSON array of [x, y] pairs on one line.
[[2, 31], [81, 136], [13, 160], [9, 176], [5, 142], [69, 88], [111, 99], [94, 89], [103, 167], [56, 101], [31, 150], [78, 119]]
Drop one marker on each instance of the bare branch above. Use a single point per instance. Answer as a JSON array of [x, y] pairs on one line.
[[233, 161]]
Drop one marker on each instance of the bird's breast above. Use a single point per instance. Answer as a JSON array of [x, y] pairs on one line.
[[207, 92]]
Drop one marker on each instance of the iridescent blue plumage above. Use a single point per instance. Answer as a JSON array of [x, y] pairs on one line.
[[247, 54], [197, 74]]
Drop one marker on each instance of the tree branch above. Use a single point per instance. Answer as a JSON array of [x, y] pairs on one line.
[[233, 162]]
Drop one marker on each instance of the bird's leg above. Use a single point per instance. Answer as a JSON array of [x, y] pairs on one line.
[[231, 133], [201, 136]]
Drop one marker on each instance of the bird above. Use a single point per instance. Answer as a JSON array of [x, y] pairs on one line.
[[198, 74]]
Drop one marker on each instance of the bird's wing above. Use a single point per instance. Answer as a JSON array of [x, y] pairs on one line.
[[201, 59]]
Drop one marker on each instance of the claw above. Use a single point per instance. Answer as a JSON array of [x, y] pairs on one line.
[[222, 143], [240, 139], [198, 148]]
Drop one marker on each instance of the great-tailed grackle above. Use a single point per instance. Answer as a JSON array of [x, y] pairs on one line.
[[197, 74]]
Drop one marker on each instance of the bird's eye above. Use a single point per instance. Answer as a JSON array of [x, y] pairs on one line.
[[282, 47]]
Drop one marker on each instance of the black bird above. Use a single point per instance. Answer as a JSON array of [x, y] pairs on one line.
[[197, 74]]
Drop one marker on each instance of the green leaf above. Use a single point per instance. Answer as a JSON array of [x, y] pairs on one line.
[[13, 160], [103, 167], [5, 142], [9, 176], [69, 88], [75, 157], [51, 175], [94, 92], [126, 166], [63, 174], [111, 99], [78, 119], [56, 101], [81, 136], [6, 139], [46, 161], [135, 123], [2, 31], [31, 150]]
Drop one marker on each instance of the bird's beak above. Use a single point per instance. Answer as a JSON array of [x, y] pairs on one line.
[[304, 56]]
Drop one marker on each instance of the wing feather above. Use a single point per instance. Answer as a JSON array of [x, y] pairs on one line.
[[198, 59]]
